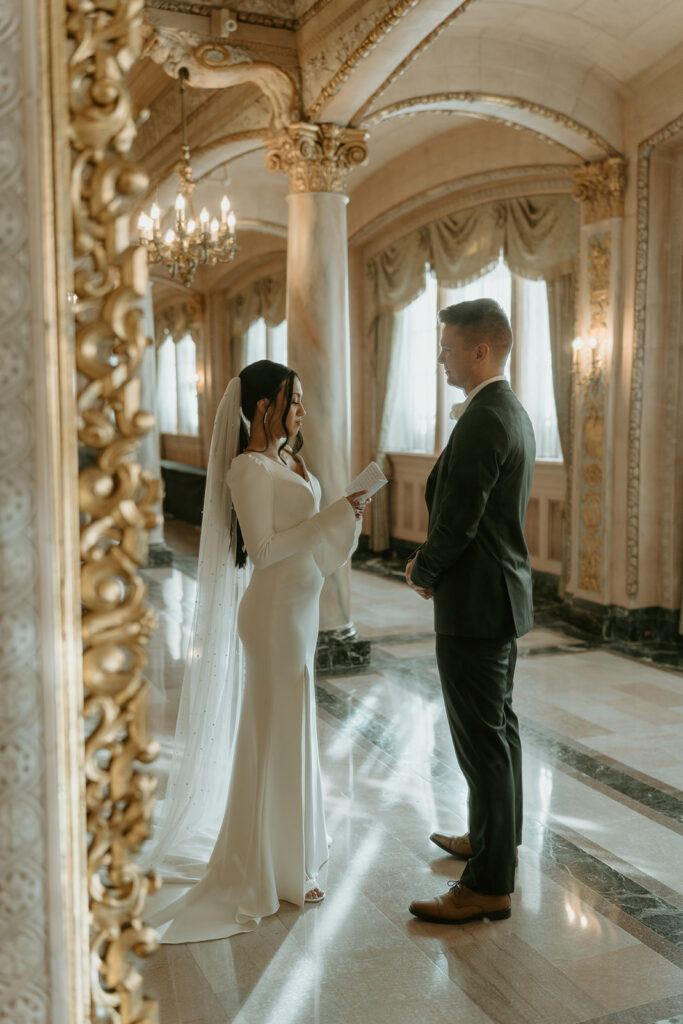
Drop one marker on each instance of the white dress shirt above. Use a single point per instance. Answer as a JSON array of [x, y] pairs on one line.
[[459, 408]]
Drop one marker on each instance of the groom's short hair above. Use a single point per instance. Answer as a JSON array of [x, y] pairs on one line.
[[481, 320]]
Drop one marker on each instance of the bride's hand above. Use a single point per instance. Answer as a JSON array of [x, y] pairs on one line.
[[358, 503]]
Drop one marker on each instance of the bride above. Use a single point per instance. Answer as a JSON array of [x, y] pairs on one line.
[[246, 746]]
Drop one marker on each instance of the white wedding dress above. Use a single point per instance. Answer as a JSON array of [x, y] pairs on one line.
[[272, 841]]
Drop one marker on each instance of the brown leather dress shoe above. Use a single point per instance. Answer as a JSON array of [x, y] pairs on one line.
[[458, 846], [460, 905]]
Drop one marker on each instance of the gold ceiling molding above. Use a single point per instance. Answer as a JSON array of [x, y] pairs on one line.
[[218, 65], [600, 187], [317, 157], [407, 61], [404, 108], [369, 43], [116, 498], [266, 19], [645, 149]]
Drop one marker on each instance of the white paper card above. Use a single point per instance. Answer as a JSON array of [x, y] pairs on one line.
[[372, 479]]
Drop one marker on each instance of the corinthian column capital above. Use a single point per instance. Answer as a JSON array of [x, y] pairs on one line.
[[317, 157], [600, 187]]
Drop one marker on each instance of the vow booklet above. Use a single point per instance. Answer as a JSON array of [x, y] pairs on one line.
[[372, 479]]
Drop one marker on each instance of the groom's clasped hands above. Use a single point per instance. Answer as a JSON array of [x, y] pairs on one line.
[[426, 592]]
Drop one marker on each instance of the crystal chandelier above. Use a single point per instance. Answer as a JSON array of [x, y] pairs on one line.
[[194, 240]]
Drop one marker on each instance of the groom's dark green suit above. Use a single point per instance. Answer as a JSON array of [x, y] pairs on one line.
[[476, 559]]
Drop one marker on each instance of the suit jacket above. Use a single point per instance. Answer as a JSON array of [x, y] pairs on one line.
[[475, 555]]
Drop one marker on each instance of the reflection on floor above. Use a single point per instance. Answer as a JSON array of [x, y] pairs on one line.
[[596, 933]]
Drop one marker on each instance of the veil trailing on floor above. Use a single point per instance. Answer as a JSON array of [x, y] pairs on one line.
[[188, 819]]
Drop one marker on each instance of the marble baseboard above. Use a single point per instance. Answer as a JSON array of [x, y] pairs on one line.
[[647, 633], [341, 653]]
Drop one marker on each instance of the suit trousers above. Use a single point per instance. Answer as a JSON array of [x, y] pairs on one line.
[[477, 679]]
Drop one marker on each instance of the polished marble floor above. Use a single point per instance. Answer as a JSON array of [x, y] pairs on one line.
[[596, 933]]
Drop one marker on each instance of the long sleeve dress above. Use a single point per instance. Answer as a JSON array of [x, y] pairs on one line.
[[273, 834]]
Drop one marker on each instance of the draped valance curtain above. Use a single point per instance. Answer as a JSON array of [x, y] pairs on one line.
[[179, 319], [263, 298], [538, 236]]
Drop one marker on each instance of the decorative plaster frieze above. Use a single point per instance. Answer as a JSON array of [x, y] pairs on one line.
[[600, 187], [317, 157], [117, 499], [645, 149], [404, 108], [350, 49]]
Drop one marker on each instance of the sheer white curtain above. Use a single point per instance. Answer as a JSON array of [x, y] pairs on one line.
[[177, 398], [186, 376], [412, 420], [422, 399], [263, 342], [255, 347], [167, 405], [535, 370]]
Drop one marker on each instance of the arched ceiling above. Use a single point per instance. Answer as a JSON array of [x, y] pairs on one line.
[[407, 70]]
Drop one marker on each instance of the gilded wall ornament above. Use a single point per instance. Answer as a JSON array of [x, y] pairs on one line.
[[591, 483], [645, 150], [600, 188], [317, 157], [116, 498]]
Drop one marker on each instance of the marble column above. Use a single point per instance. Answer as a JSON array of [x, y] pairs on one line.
[[317, 159], [150, 446], [600, 189]]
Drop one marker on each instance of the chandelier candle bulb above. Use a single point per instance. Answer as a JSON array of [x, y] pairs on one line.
[[231, 222], [225, 206], [169, 237], [214, 229]]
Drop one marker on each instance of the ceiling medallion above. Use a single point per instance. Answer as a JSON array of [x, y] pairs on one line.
[[195, 241]]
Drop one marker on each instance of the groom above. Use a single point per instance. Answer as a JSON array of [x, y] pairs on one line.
[[475, 565]]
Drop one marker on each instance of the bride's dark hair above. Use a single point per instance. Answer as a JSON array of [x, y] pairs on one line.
[[263, 379]]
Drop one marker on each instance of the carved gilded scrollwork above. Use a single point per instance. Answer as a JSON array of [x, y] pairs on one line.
[[591, 527], [600, 187], [217, 64], [116, 498], [317, 157]]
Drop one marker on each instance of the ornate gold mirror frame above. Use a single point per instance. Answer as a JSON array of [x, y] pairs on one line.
[[93, 281], [116, 496]]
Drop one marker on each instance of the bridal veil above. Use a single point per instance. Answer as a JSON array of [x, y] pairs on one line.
[[188, 819]]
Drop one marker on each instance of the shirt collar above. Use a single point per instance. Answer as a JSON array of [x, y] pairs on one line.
[[459, 408]]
